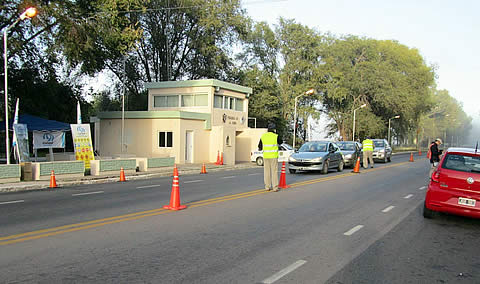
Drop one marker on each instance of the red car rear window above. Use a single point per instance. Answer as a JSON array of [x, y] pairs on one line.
[[462, 163]]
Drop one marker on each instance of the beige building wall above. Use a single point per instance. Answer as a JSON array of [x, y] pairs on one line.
[[247, 142]]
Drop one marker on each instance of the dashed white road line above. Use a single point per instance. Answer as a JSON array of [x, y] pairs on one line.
[[229, 177], [256, 174], [192, 181], [148, 186], [88, 193], [283, 272], [353, 230], [388, 209], [11, 202], [422, 188], [408, 196]]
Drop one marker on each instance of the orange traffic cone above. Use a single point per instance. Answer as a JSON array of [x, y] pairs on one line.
[[122, 175], [204, 170], [419, 152], [411, 157], [175, 196], [53, 182], [356, 169], [221, 159], [218, 158], [283, 179]]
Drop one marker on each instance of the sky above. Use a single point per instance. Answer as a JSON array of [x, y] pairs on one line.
[[446, 32]]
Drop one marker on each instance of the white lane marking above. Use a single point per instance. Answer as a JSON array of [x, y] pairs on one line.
[[284, 272], [229, 177], [408, 196], [422, 188], [353, 230], [388, 209], [191, 181], [88, 193], [147, 186], [254, 174], [11, 202]]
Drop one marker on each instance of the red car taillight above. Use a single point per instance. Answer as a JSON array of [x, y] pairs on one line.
[[436, 176]]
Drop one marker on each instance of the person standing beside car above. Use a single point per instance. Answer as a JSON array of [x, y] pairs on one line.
[[269, 144], [368, 147], [435, 154]]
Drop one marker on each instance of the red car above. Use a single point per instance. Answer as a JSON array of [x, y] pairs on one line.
[[455, 185]]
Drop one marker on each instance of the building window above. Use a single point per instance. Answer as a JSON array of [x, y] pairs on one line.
[[231, 103], [166, 101], [218, 101], [194, 100], [225, 102], [239, 105], [165, 139]]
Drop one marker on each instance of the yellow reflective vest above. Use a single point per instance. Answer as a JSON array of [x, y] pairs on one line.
[[270, 146], [367, 145]]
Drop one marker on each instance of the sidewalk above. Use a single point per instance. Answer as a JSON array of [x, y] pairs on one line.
[[184, 169]]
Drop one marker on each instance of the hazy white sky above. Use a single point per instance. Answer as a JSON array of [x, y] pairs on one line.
[[446, 32]]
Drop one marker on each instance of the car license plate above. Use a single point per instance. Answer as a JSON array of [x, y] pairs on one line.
[[466, 201], [302, 168]]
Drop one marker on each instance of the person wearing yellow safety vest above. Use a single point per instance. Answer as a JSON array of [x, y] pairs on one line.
[[269, 144], [368, 147]]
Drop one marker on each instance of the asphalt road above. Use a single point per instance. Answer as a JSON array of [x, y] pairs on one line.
[[324, 228]]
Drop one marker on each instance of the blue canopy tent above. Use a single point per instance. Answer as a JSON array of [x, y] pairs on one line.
[[38, 124]]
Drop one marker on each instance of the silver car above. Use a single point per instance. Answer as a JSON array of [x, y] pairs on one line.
[[382, 151], [351, 152], [316, 156]]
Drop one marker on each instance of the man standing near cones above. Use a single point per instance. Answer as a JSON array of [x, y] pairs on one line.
[[269, 144], [367, 152]]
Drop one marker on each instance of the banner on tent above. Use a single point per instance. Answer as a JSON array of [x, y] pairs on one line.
[[21, 134], [50, 139], [82, 142]]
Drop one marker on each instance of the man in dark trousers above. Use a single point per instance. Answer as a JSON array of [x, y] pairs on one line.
[[269, 145], [435, 154]]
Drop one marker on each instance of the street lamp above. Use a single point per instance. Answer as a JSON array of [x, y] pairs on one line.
[[27, 14], [389, 120], [353, 132], [309, 92]]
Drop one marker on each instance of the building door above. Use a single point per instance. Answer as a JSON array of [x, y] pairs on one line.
[[189, 147]]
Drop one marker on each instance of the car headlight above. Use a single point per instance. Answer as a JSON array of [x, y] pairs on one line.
[[382, 151], [317, 160], [348, 156], [292, 159]]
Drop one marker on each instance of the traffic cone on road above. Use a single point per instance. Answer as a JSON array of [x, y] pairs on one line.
[[411, 157], [204, 170], [122, 175], [53, 182], [218, 158], [283, 179], [221, 159], [175, 195], [356, 169]]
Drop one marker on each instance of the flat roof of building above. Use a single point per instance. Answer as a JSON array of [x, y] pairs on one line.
[[199, 83]]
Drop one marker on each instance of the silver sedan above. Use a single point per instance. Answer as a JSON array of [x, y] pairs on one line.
[[316, 156]]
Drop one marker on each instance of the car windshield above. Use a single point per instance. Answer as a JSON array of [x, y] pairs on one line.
[[346, 146], [379, 144], [286, 146], [462, 163], [313, 147]]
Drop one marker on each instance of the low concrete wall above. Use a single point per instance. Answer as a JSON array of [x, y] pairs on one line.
[[64, 169], [112, 167], [9, 173], [150, 164]]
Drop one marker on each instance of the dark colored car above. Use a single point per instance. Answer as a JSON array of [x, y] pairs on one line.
[[382, 151], [351, 151], [455, 184], [316, 156]]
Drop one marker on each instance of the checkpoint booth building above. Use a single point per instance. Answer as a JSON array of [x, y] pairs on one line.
[[193, 121]]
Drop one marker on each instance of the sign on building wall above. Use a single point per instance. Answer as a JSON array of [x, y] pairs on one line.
[[82, 142], [21, 133], [50, 139]]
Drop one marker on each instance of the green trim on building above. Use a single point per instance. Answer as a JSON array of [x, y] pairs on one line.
[[159, 114], [10, 171], [62, 168], [160, 162], [199, 83], [117, 164]]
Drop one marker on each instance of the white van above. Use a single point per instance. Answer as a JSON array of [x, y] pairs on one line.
[[284, 151]]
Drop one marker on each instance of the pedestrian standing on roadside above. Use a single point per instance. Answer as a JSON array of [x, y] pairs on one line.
[[435, 154], [367, 152], [269, 144]]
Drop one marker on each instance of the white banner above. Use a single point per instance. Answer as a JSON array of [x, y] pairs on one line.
[[82, 142], [50, 139]]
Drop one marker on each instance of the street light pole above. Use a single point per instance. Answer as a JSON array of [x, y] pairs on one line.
[[309, 92], [353, 129], [29, 13], [389, 120]]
